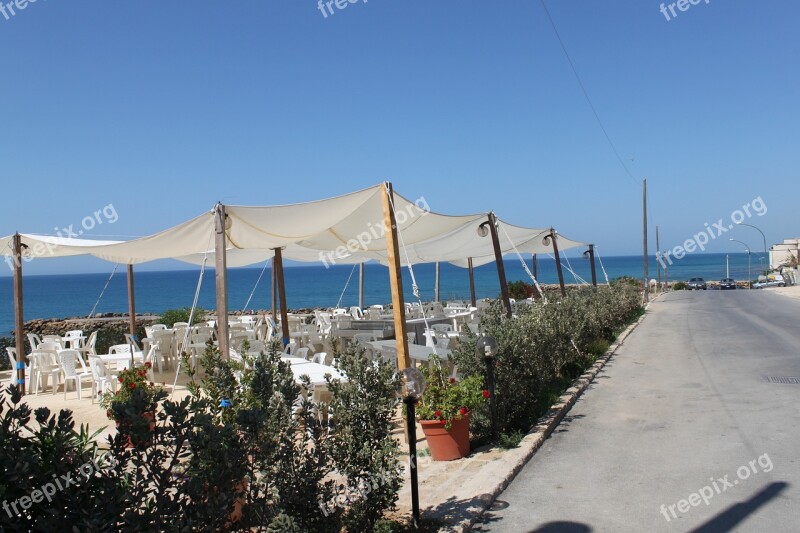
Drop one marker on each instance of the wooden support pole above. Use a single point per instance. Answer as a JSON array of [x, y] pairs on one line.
[[19, 325], [282, 293], [221, 271], [472, 300], [498, 258], [591, 260], [554, 240], [395, 279], [131, 302], [436, 283], [274, 294], [361, 285]]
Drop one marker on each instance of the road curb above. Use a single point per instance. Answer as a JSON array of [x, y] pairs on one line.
[[544, 428]]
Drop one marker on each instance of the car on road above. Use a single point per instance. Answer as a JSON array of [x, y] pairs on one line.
[[773, 280], [696, 284], [727, 283]]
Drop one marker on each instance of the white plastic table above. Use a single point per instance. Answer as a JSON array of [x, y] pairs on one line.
[[415, 351]]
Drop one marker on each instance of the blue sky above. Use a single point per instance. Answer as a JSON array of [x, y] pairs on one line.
[[164, 108]]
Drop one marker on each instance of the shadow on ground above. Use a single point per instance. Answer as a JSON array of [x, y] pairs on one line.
[[731, 517]]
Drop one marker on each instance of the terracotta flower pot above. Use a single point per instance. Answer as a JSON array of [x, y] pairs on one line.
[[150, 416], [444, 444]]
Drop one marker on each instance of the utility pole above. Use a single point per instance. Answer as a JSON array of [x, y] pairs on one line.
[[644, 240]]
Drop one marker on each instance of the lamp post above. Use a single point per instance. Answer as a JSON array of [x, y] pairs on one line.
[[749, 278], [487, 347], [413, 389], [762, 236]]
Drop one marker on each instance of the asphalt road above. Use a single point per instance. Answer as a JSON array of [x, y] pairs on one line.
[[685, 402]]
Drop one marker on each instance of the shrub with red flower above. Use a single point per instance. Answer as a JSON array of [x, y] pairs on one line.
[[447, 398], [136, 394], [486, 394]]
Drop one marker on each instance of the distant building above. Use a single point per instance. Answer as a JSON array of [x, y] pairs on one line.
[[784, 254]]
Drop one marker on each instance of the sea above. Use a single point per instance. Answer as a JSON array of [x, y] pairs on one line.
[[76, 295]]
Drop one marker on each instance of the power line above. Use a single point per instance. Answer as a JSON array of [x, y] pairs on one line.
[[586, 94]]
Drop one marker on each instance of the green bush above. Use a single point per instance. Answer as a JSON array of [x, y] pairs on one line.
[[169, 317], [6, 342], [679, 286], [543, 349]]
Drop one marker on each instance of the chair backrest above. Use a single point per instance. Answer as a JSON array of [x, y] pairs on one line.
[[45, 359], [180, 325], [98, 368], [69, 362], [120, 348], [290, 348], [158, 327], [237, 340], [34, 340], [339, 311], [442, 327], [379, 307], [372, 314], [74, 333], [412, 337], [132, 341], [302, 352], [53, 338], [50, 345], [361, 338], [91, 342], [163, 338], [356, 312], [12, 358]]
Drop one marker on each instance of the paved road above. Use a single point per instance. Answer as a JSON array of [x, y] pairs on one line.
[[684, 403]]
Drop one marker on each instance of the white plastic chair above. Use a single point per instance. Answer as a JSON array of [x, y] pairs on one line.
[[74, 370], [44, 365], [34, 340], [363, 338], [303, 353], [290, 349], [356, 313], [158, 327], [442, 327], [12, 358], [74, 338], [90, 348], [53, 338], [102, 379]]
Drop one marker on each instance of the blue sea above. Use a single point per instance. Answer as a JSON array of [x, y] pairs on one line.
[[71, 295]]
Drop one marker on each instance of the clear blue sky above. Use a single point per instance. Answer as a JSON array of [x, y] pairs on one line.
[[164, 108]]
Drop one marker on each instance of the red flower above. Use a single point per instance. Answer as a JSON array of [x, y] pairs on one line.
[[148, 365], [142, 373], [452, 380], [120, 379], [132, 385], [486, 394], [437, 414], [463, 411], [152, 384]]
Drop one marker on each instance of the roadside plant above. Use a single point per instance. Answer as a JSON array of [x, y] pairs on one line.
[[448, 398]]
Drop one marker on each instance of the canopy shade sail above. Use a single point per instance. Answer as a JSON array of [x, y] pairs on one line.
[[36, 246]]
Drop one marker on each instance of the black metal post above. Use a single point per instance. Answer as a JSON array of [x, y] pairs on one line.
[[411, 429], [492, 402]]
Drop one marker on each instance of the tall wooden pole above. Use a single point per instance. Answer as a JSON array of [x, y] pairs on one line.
[[436, 284], [554, 241], [221, 271], [644, 239], [498, 258], [591, 259], [278, 263], [658, 258], [19, 326], [535, 267], [131, 302], [274, 294], [471, 282], [361, 285], [395, 279]]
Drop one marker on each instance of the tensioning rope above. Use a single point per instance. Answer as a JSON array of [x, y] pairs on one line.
[[414, 286], [524, 265], [339, 303], [578, 279], [600, 260], [256, 286], [91, 314], [194, 307]]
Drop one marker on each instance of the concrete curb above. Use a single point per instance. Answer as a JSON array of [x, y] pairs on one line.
[[542, 430]]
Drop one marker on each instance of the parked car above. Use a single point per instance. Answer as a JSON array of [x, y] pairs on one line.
[[696, 284], [727, 283], [773, 280]]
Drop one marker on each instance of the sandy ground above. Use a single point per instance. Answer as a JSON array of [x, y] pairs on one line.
[[791, 292], [84, 410]]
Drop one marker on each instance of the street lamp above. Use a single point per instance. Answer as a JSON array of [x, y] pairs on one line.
[[413, 389], [749, 277], [762, 235], [487, 347]]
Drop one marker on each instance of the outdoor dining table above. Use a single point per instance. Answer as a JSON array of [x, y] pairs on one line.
[[123, 358], [415, 351], [315, 371]]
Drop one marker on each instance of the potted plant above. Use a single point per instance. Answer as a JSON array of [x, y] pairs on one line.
[[444, 410], [133, 405]]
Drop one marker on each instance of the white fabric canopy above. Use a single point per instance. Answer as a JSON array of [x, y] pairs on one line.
[[342, 230]]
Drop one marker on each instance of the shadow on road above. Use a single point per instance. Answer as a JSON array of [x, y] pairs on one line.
[[562, 527], [736, 513]]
